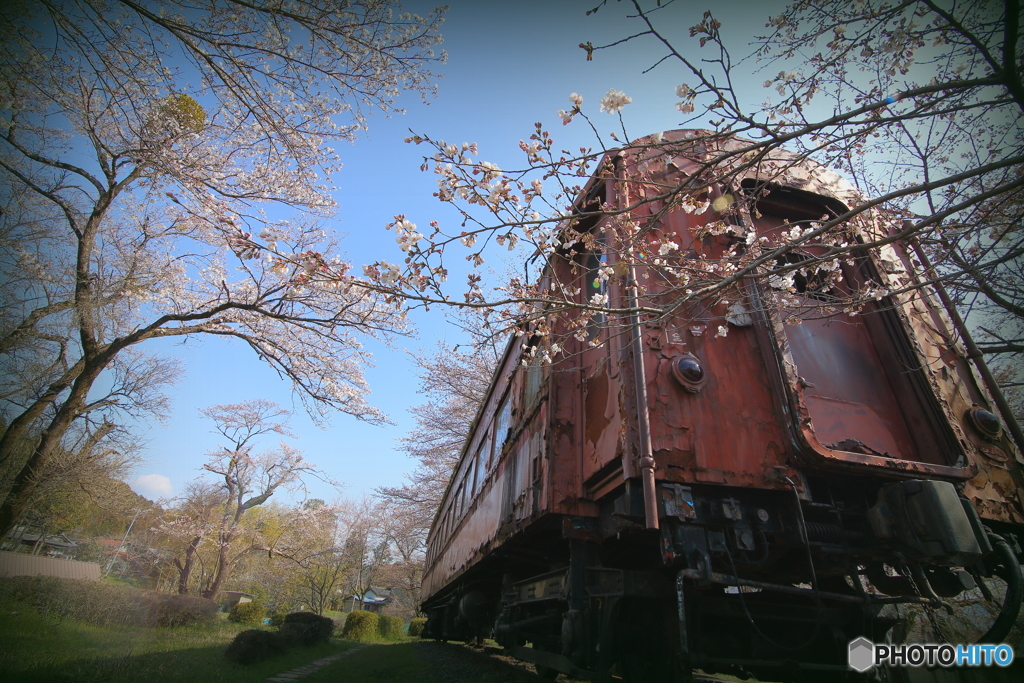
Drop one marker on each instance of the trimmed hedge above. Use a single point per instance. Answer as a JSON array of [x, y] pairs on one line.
[[255, 645], [416, 626], [306, 628], [298, 628], [104, 604], [277, 617], [247, 613], [391, 628], [361, 626]]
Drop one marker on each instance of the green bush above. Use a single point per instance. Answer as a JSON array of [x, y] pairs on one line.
[[361, 626], [105, 604], [416, 626], [247, 613], [255, 645], [306, 628], [391, 628], [179, 610], [277, 617]]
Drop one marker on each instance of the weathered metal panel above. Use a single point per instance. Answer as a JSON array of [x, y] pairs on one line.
[[997, 488], [513, 491], [22, 564], [728, 432], [565, 440], [480, 526], [825, 395], [602, 418]]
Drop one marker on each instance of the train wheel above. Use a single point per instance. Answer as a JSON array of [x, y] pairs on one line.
[[997, 598], [984, 614]]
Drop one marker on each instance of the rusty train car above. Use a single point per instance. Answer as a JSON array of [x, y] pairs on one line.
[[749, 503]]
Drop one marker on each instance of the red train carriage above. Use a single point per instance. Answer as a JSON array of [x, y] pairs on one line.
[[747, 503]]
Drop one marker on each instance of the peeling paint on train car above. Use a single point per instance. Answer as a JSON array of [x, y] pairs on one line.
[[883, 394]]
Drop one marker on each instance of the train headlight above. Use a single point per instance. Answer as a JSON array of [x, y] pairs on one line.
[[985, 422], [689, 372]]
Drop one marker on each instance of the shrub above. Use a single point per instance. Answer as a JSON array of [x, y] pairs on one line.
[[105, 604], [180, 610], [391, 628], [306, 628], [277, 617], [416, 626], [255, 645], [361, 626], [247, 613]]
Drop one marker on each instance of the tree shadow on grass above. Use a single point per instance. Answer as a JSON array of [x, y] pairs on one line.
[[378, 663], [193, 665], [418, 661]]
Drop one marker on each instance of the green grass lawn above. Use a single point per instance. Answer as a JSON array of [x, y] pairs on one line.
[[37, 649], [410, 661], [393, 663]]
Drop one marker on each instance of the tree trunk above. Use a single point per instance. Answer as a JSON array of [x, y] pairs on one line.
[[27, 480], [185, 571], [226, 538]]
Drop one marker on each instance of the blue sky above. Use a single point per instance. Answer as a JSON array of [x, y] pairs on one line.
[[510, 64]]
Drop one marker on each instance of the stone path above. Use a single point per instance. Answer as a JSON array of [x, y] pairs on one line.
[[296, 674]]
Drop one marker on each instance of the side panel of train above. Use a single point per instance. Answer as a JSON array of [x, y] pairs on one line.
[[816, 482]]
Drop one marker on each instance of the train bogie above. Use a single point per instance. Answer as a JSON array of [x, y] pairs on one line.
[[731, 486]]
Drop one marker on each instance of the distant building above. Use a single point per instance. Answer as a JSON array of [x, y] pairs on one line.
[[232, 598], [31, 540], [375, 599]]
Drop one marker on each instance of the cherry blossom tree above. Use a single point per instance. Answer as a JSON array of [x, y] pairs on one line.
[[455, 383], [185, 527], [310, 546], [249, 479], [166, 173], [330, 552], [917, 104]]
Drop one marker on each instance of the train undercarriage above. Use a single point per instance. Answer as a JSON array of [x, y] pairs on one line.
[[754, 583]]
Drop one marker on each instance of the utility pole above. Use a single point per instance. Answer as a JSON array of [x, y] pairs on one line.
[[121, 547]]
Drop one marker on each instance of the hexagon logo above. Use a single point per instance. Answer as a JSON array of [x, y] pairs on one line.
[[862, 655]]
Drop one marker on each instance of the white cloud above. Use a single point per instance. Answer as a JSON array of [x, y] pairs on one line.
[[152, 486]]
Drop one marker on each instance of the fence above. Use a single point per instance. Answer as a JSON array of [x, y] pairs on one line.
[[21, 564]]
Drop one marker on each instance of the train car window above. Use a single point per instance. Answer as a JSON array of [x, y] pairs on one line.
[[863, 385], [537, 481], [502, 423], [591, 205], [531, 387], [470, 483], [792, 204], [483, 457], [813, 284]]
